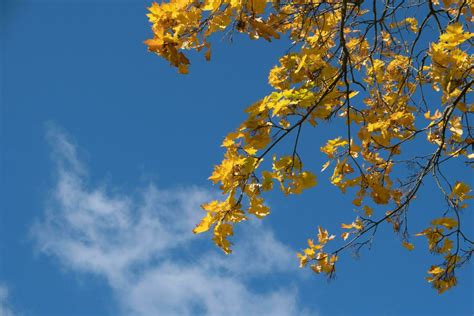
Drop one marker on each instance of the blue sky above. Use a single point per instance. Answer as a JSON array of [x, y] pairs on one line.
[[105, 152]]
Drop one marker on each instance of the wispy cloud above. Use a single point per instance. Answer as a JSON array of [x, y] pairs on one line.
[[5, 307], [142, 244]]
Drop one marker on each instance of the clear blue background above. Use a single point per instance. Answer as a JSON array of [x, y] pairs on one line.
[[82, 65]]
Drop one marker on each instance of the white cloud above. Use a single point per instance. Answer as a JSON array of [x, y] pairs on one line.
[[5, 307], [142, 244]]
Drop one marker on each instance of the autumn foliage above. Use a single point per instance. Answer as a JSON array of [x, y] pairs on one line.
[[409, 63]]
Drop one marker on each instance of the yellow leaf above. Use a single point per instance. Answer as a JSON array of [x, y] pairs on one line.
[[368, 210], [460, 190], [357, 201], [435, 270], [308, 180], [257, 208], [204, 225], [332, 145], [207, 54], [183, 69], [408, 245], [326, 165], [211, 5], [301, 63], [303, 259], [257, 6], [250, 150], [436, 115], [323, 236], [447, 246], [412, 24], [221, 232], [267, 180], [353, 94], [347, 226], [357, 224], [227, 142], [447, 222]]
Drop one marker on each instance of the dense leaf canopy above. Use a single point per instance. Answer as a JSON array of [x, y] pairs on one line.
[[410, 65]]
